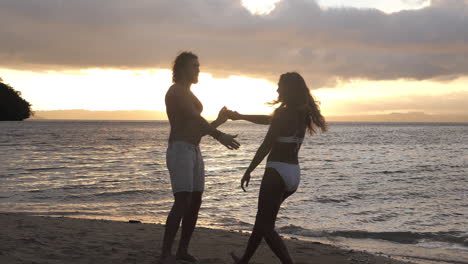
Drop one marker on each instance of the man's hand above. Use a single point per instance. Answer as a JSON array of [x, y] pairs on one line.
[[229, 141], [245, 180], [223, 115]]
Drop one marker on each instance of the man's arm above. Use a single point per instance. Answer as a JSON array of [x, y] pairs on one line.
[[187, 108], [221, 119]]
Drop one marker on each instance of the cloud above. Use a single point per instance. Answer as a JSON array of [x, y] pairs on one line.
[[324, 45], [415, 2]]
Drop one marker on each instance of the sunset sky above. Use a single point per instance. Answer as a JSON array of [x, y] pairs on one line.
[[357, 56]]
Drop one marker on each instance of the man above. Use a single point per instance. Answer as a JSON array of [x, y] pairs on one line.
[[184, 159]]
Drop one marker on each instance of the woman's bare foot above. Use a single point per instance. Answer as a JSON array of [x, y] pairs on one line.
[[186, 257], [236, 259]]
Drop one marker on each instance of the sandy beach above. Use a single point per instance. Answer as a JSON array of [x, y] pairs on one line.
[[38, 239]]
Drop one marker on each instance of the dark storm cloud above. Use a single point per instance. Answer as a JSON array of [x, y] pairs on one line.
[[324, 45]]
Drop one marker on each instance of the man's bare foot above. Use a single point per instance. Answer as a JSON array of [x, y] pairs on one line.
[[186, 257], [171, 259]]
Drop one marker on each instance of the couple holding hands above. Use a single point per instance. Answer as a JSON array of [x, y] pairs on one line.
[[296, 113]]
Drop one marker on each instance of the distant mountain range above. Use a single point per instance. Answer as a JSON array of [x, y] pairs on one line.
[[159, 115], [400, 117], [79, 114]]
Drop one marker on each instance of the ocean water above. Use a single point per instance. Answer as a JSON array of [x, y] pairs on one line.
[[396, 188]]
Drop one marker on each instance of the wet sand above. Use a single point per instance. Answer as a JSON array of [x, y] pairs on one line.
[[37, 239]]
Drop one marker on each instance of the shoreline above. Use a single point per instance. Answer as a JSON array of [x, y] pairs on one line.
[[44, 239], [417, 122]]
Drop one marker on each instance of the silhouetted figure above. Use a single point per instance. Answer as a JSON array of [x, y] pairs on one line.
[[296, 113], [12, 106], [184, 159]]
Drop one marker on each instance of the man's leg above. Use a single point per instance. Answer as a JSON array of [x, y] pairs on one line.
[[179, 208], [188, 226], [191, 216]]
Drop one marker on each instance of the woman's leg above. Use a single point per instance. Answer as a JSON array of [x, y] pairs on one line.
[[179, 208], [272, 194]]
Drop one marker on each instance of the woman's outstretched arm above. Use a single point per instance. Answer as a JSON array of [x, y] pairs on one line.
[[257, 119]]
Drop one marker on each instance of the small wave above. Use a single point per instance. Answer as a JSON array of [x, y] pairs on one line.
[[14, 135], [420, 168], [80, 187], [432, 259], [356, 196], [229, 221], [106, 181], [46, 168], [329, 200], [116, 138], [9, 144], [392, 172], [397, 237], [405, 237], [438, 167], [65, 213], [383, 217], [297, 230], [129, 192], [41, 197], [365, 213], [36, 191]]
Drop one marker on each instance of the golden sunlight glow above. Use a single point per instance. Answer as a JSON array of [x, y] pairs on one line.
[[92, 89], [111, 89], [340, 100], [260, 7], [242, 94]]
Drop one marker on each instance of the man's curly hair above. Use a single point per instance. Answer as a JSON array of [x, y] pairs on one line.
[[179, 63]]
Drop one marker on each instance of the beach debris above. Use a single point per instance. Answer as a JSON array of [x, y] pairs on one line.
[[134, 222]]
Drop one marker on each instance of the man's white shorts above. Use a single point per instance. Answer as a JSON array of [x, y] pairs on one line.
[[186, 167]]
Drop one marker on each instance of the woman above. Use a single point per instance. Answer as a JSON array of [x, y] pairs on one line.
[[296, 113]]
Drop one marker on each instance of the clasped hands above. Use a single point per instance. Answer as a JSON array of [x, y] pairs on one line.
[[225, 114]]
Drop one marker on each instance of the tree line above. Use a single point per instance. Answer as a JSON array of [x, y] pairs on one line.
[[12, 106]]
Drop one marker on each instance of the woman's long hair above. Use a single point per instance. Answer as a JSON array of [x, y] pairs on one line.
[[296, 94]]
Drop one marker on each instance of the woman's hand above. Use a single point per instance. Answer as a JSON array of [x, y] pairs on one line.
[[246, 180], [233, 115]]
